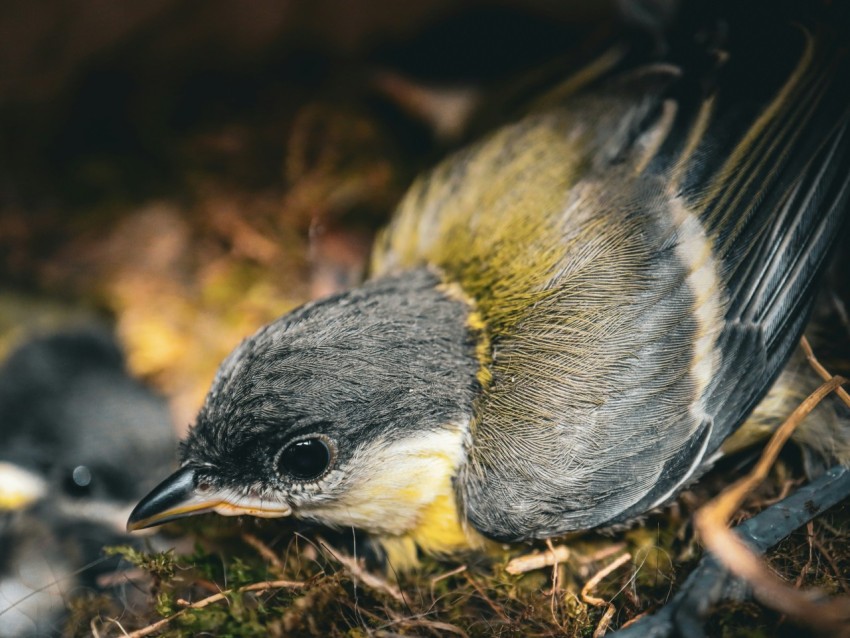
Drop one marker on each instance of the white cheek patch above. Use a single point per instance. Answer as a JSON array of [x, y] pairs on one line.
[[385, 485]]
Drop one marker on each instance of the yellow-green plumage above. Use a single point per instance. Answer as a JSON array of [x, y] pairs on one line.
[[564, 320], [602, 271]]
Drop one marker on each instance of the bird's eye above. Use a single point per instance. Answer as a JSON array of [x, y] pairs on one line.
[[306, 459], [78, 483]]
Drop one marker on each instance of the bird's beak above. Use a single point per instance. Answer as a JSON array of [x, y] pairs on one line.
[[179, 496]]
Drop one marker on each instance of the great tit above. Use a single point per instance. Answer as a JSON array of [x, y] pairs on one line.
[[564, 321], [78, 437]]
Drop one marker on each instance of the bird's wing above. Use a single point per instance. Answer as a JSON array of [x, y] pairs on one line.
[[643, 257], [772, 198]]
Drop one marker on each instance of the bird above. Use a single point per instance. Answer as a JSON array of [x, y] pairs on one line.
[[563, 321], [73, 418], [79, 437]]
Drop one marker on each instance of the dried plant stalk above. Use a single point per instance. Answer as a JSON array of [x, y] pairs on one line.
[[711, 522]]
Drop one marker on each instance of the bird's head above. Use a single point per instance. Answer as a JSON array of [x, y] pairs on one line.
[[350, 411]]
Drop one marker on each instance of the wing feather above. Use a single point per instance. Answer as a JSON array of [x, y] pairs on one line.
[[643, 270]]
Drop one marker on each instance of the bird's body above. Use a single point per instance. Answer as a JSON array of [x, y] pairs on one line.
[[564, 321]]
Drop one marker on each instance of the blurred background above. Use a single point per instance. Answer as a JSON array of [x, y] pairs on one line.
[[189, 170], [174, 174]]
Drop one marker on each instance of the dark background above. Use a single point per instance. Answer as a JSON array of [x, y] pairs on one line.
[[189, 170]]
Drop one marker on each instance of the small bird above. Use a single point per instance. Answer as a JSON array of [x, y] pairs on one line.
[[564, 321], [74, 420], [78, 440]]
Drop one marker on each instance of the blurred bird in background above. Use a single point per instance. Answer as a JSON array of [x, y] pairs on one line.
[[565, 320], [77, 438]]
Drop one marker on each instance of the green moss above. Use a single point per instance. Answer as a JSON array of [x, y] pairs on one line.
[[161, 565]]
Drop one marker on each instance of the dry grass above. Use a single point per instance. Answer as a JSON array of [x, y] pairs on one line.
[[250, 577]]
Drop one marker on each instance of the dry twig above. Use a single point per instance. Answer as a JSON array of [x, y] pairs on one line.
[[263, 550], [556, 584], [601, 553], [498, 610], [591, 584], [810, 535], [711, 523], [437, 579], [822, 372], [538, 560], [836, 571], [369, 579], [209, 600]]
